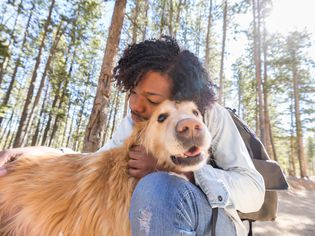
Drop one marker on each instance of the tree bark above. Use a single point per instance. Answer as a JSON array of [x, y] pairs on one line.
[[178, 12], [42, 82], [57, 119], [18, 138], [109, 117], [145, 26], [221, 82], [162, 21], [134, 40], [268, 131], [97, 121], [7, 130], [2, 69], [71, 128], [298, 122], [66, 124], [80, 115], [291, 168], [257, 58], [37, 130], [64, 89], [18, 62], [170, 20], [208, 35], [50, 118], [116, 105], [135, 21]]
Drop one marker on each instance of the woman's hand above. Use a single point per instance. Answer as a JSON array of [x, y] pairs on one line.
[[9, 155], [140, 163]]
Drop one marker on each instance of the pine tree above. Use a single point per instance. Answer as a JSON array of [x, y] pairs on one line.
[[97, 121]]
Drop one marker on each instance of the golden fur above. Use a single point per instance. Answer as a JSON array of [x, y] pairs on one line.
[[83, 194]]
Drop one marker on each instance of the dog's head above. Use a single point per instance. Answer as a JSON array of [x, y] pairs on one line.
[[176, 135]]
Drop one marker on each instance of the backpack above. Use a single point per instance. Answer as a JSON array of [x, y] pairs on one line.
[[269, 169]]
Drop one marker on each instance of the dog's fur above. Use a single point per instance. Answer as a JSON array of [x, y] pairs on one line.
[[89, 194]]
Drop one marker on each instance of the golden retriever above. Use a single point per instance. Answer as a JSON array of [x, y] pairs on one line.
[[89, 194]]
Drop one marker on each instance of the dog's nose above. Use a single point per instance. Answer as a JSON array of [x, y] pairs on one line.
[[188, 128]]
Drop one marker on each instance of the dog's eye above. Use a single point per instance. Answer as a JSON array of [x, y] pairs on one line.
[[195, 112], [162, 117]]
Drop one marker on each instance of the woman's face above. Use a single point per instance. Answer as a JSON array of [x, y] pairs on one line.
[[152, 89]]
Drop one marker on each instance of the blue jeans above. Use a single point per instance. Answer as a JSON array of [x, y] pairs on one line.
[[164, 204]]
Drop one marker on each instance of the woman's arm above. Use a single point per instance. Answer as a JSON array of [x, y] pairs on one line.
[[9, 155], [238, 184]]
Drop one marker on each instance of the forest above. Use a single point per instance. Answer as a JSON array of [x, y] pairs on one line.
[[57, 56]]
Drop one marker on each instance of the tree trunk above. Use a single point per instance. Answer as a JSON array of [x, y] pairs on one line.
[[170, 20], [71, 128], [291, 168], [66, 125], [177, 24], [135, 21], [42, 82], [298, 123], [7, 127], [268, 131], [126, 103], [198, 32], [240, 94], [19, 10], [145, 26], [18, 62], [2, 69], [109, 118], [21, 128], [80, 115], [37, 130], [221, 82], [116, 105], [10, 139], [57, 119], [257, 58], [64, 89], [208, 35], [162, 21], [134, 40], [50, 117], [97, 119]]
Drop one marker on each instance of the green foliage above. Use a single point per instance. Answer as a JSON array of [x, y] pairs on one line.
[[310, 147], [75, 67], [4, 50], [3, 110], [245, 85]]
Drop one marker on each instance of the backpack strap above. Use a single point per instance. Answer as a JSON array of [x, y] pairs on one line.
[[213, 220], [250, 231]]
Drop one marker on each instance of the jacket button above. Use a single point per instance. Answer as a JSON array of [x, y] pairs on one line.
[[220, 198]]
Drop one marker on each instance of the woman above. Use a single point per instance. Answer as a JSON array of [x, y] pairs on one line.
[[163, 204]]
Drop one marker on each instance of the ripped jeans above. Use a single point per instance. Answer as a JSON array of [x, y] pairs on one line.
[[164, 204]]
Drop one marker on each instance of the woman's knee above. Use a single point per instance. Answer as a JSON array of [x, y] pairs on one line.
[[167, 194], [160, 186], [164, 198]]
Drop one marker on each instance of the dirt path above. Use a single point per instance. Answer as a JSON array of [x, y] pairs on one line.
[[296, 215]]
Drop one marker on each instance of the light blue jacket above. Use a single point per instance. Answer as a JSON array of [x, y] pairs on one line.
[[238, 185]]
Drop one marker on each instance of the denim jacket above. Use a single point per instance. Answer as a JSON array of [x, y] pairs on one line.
[[237, 186]]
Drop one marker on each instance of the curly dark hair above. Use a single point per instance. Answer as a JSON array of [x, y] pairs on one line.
[[190, 79]]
